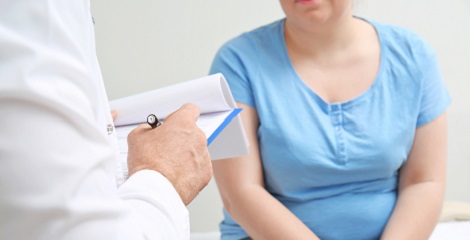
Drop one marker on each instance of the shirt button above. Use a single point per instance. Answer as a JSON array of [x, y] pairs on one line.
[[110, 129]]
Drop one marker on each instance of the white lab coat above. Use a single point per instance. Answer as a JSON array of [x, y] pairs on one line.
[[58, 163]]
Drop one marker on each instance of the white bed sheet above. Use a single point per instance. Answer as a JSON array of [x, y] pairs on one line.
[[443, 231]]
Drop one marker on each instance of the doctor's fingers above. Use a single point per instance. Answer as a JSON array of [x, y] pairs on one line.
[[186, 114], [114, 114]]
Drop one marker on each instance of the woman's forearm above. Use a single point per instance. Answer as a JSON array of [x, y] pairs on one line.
[[264, 217], [416, 212], [241, 185]]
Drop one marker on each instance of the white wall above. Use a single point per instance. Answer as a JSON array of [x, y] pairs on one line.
[[144, 44]]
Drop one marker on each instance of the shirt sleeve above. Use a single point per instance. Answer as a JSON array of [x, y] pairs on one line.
[[57, 159], [231, 60], [434, 95]]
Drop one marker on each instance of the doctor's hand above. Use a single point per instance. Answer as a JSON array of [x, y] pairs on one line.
[[114, 114], [177, 149]]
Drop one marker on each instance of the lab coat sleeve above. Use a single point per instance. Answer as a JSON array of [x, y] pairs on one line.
[[57, 159], [140, 192]]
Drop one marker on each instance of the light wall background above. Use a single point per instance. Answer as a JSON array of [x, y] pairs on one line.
[[145, 44]]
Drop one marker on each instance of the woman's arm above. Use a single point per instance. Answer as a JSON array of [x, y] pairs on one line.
[[421, 184], [241, 185]]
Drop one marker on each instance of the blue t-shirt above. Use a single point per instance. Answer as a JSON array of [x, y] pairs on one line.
[[335, 166]]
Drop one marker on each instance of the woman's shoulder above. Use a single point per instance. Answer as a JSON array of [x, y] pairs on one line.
[[402, 40], [260, 35], [395, 30]]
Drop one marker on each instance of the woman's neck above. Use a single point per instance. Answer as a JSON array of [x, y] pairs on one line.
[[326, 40]]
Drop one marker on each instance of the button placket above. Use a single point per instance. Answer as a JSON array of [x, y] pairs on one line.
[[337, 121]]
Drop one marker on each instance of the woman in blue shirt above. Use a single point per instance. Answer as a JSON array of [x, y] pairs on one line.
[[347, 129]]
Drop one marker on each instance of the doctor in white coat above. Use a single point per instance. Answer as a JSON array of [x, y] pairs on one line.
[[60, 177]]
